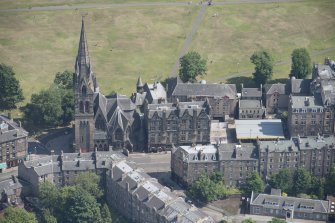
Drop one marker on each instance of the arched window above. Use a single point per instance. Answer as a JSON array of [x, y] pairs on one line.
[[119, 135], [83, 90], [87, 107], [81, 107]]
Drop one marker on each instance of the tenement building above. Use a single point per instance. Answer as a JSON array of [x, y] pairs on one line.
[[142, 199], [305, 116], [315, 154], [288, 207], [13, 143], [222, 97], [235, 161], [129, 190], [251, 109], [179, 123]]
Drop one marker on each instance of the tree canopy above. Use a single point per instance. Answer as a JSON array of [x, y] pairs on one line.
[[248, 220], [64, 80], [263, 61], [192, 66], [301, 181], [89, 182], [283, 180], [53, 106], [277, 220], [301, 63], [208, 189], [15, 215], [254, 183], [330, 181], [10, 90], [81, 207]]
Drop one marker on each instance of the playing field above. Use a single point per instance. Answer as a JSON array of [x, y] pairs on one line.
[[127, 42]]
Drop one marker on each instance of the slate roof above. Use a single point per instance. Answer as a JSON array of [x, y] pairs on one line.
[[154, 196], [10, 130], [272, 88], [155, 92], [8, 186], [301, 102], [199, 153], [298, 204], [251, 92], [243, 151], [209, 90], [300, 86], [179, 110], [278, 146], [250, 104]]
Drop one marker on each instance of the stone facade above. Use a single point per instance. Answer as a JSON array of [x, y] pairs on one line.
[[133, 193], [236, 162], [180, 123], [289, 207], [276, 97], [251, 109], [315, 154], [13, 143], [141, 198], [305, 116], [222, 97]]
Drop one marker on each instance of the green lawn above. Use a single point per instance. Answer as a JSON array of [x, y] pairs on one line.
[[127, 42], [11, 4], [230, 34], [123, 44]]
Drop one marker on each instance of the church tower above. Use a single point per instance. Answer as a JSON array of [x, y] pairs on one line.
[[85, 85]]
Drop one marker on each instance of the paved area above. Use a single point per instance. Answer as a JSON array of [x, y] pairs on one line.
[[152, 162]]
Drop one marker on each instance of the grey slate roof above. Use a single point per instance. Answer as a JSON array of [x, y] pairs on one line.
[[251, 92], [298, 204], [154, 196], [278, 146], [301, 102], [210, 90], [199, 153], [300, 86], [172, 109], [8, 186], [243, 151], [272, 88], [250, 104], [10, 130]]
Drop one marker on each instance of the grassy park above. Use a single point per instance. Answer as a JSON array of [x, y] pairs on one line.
[[125, 42]]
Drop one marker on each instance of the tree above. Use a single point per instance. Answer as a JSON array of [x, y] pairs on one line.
[[45, 108], [277, 220], [49, 195], [81, 207], [64, 80], [254, 183], [263, 66], [192, 66], [283, 180], [105, 214], [89, 182], [10, 90], [301, 181], [301, 63], [48, 217], [67, 105], [15, 215], [318, 187], [330, 181], [248, 220]]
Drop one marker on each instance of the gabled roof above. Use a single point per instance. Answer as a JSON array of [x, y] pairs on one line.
[[210, 90], [251, 92], [272, 88], [300, 86]]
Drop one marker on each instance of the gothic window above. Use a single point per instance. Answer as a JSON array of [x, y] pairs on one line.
[[87, 107], [119, 135], [83, 90], [81, 107]]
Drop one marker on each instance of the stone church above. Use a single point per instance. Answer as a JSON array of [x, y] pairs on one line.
[[100, 122]]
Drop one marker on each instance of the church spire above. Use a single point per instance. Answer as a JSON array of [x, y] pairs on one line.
[[83, 66]]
